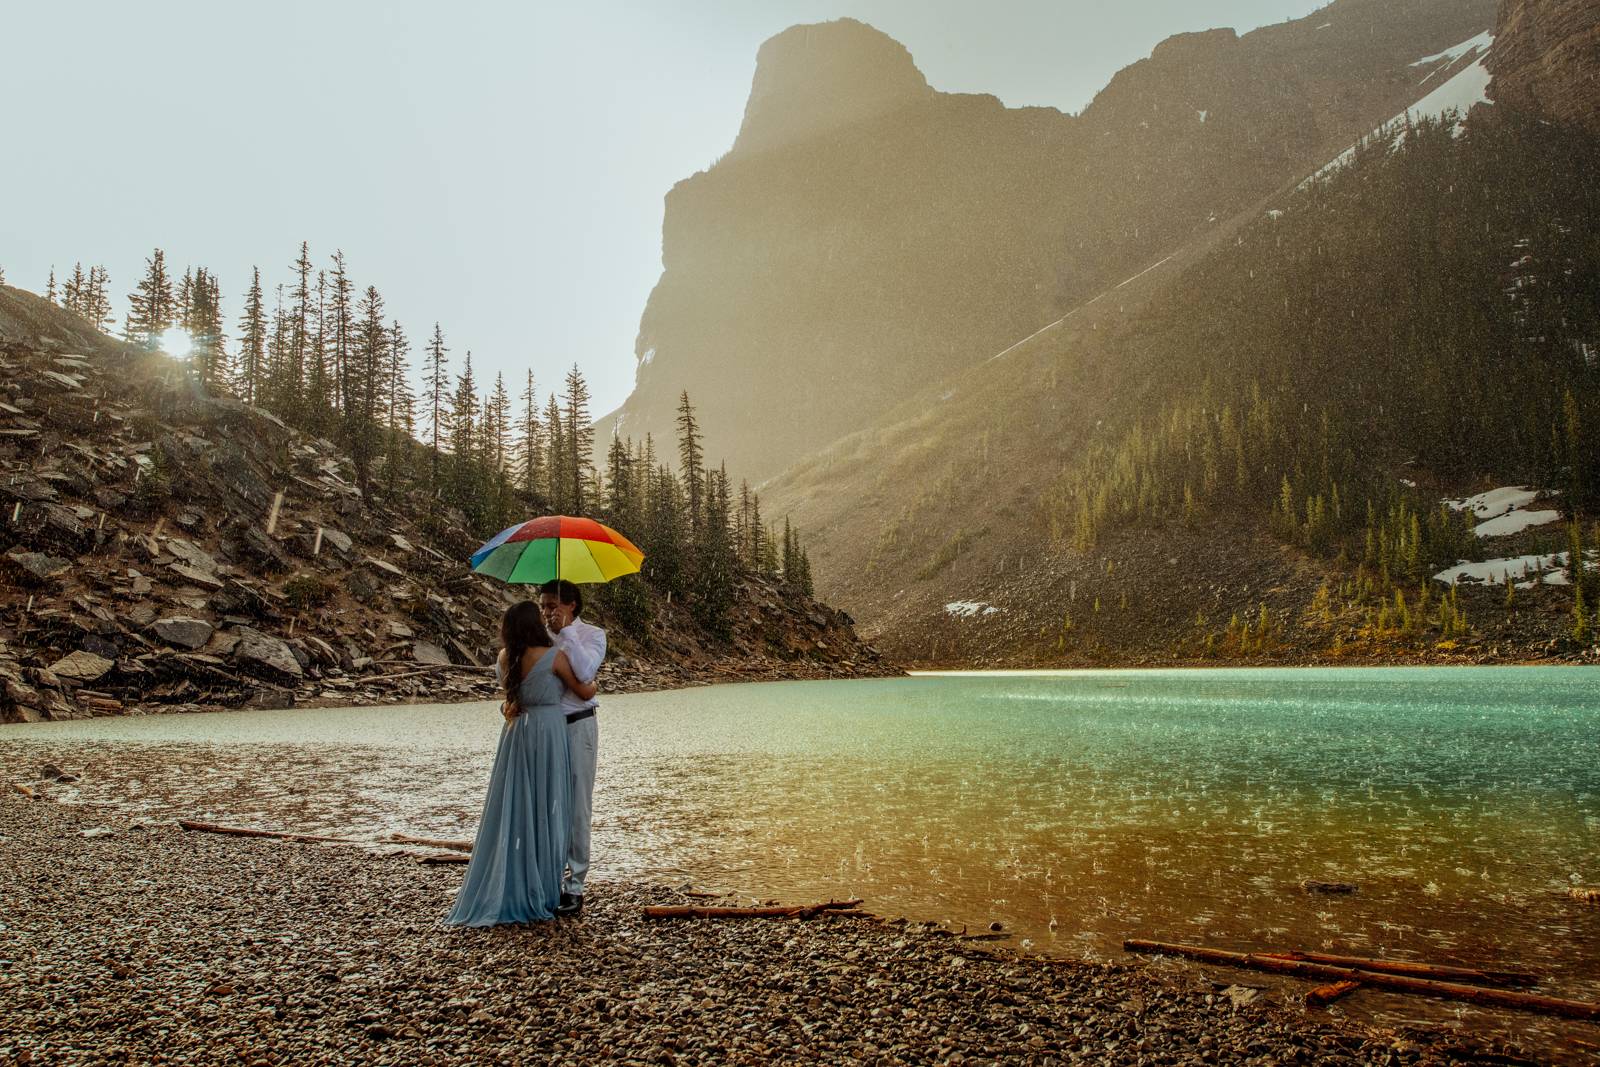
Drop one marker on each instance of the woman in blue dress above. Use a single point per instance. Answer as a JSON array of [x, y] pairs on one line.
[[521, 848]]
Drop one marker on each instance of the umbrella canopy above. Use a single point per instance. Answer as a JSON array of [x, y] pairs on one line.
[[557, 546]]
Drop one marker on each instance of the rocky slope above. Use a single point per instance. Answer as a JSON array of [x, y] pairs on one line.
[[1547, 59], [163, 548], [867, 235]]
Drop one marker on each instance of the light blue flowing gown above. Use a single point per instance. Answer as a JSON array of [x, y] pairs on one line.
[[515, 873]]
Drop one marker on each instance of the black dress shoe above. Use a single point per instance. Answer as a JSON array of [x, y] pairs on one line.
[[570, 905]]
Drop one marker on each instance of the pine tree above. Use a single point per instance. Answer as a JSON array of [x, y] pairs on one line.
[[252, 342], [72, 297], [202, 321], [290, 386], [791, 555], [691, 457], [499, 408], [344, 366], [578, 440], [400, 418], [664, 534], [556, 459], [366, 364], [716, 559], [436, 378], [50, 285], [97, 303], [150, 305], [530, 448]]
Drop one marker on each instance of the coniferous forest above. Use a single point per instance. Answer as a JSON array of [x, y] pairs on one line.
[[322, 354], [1430, 312]]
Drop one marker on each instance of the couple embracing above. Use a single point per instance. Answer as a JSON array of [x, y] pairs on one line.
[[532, 850]]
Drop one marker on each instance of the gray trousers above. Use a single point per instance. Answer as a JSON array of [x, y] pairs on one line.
[[583, 738]]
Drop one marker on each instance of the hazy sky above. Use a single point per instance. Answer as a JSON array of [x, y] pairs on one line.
[[497, 167]]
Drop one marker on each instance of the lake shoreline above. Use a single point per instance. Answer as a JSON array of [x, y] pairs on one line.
[[147, 941]]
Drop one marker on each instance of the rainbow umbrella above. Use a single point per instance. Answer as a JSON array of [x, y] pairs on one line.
[[557, 546]]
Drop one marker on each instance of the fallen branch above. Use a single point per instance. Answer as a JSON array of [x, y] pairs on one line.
[[431, 858], [676, 911], [1324, 995], [407, 839], [1497, 998], [428, 668], [239, 831], [1469, 975]]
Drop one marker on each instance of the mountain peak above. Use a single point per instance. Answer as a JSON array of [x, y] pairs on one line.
[[814, 78]]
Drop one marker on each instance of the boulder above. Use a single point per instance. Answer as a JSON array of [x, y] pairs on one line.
[[182, 630], [259, 649], [81, 666], [429, 655], [269, 697], [192, 554], [334, 539], [37, 565]]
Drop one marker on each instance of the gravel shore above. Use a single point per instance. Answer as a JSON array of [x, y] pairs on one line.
[[146, 944]]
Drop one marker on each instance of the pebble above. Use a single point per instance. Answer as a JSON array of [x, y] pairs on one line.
[[250, 951]]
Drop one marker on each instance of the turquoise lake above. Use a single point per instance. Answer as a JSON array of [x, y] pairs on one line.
[[1075, 808]]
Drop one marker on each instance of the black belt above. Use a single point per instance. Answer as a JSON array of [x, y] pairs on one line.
[[579, 716]]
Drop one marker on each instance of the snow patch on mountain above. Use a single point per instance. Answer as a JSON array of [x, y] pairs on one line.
[[1467, 88], [1455, 52]]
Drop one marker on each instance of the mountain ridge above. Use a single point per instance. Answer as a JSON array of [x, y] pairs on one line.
[[874, 256]]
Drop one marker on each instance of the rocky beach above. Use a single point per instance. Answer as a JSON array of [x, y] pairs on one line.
[[128, 940]]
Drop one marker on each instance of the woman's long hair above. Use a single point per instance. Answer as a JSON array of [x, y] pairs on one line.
[[521, 628]]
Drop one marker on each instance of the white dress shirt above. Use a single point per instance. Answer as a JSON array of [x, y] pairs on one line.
[[585, 647]]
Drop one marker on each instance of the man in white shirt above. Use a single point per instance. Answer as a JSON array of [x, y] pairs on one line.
[[585, 646]]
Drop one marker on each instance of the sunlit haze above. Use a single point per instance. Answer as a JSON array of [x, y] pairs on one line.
[[496, 167]]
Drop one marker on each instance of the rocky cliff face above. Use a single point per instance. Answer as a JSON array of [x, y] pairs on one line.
[[814, 80], [1546, 59], [868, 236]]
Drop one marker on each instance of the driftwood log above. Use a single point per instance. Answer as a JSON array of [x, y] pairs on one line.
[[1324, 995], [1494, 998], [693, 911], [1469, 975], [432, 858], [407, 839], [239, 831]]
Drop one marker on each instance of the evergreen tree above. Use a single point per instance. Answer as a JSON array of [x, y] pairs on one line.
[[556, 459], [530, 448], [72, 296], [577, 440], [151, 304], [436, 379], [50, 285], [291, 382], [202, 321], [252, 342], [344, 365], [691, 458], [400, 418], [716, 558], [499, 407], [366, 365], [97, 303]]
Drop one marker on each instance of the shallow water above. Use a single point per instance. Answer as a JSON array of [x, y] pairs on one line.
[[1076, 808]]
